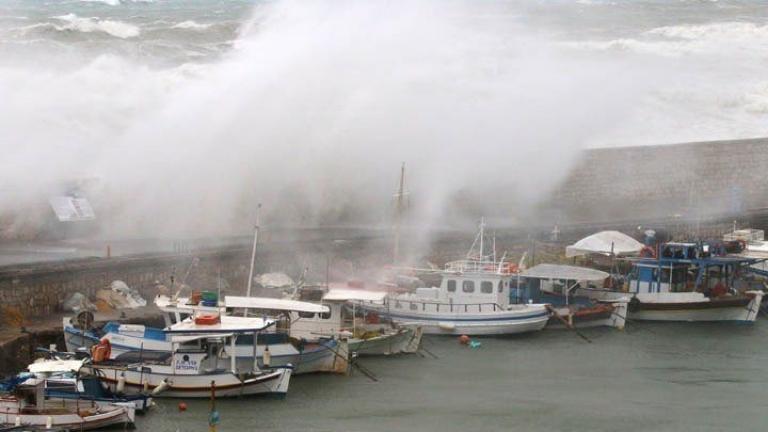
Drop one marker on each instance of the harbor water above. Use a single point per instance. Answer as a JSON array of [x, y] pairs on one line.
[[650, 377]]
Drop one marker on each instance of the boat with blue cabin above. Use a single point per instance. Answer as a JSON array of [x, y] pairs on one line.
[[688, 281]]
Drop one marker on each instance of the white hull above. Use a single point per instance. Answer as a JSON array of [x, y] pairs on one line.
[[320, 357], [746, 313], [523, 319], [99, 418], [270, 382]]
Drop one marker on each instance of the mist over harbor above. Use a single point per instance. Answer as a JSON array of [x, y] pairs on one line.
[[179, 117]]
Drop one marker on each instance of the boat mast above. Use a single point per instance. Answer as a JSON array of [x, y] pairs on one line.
[[253, 256], [482, 236], [398, 215]]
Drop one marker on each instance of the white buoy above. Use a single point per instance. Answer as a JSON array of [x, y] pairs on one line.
[[120, 384], [48, 422], [163, 386], [52, 347], [17, 422], [266, 357], [146, 386]]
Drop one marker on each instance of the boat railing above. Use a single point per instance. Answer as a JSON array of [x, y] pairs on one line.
[[479, 266], [427, 306]]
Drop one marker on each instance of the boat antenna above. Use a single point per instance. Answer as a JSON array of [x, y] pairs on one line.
[[253, 255], [398, 215]]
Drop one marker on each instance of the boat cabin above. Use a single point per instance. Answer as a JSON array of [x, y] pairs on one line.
[[687, 267], [339, 318]]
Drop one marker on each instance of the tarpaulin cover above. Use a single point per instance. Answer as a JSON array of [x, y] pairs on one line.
[[605, 243]]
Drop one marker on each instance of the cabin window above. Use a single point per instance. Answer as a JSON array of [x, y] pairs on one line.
[[486, 287], [468, 286], [306, 315], [414, 306], [501, 286], [325, 315], [451, 285]]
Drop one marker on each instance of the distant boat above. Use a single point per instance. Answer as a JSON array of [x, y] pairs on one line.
[[472, 299], [688, 282]]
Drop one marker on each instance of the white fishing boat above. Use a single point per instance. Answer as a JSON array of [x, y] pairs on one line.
[[203, 360], [63, 384], [27, 407], [472, 299], [307, 356]]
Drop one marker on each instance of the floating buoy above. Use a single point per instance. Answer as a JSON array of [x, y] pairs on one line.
[[48, 422], [475, 344], [182, 406], [464, 339]]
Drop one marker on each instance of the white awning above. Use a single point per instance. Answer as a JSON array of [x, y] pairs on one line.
[[354, 294], [605, 243], [52, 366], [227, 324], [273, 304], [565, 272]]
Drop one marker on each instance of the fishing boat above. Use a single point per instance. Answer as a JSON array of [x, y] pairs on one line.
[[688, 282], [472, 299], [554, 285], [203, 360], [63, 382], [307, 356], [364, 337], [28, 407]]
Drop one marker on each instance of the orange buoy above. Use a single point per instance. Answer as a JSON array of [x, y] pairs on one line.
[[464, 339], [182, 406]]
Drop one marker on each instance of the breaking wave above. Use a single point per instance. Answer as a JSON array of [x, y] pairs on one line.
[[117, 29], [191, 25], [117, 2]]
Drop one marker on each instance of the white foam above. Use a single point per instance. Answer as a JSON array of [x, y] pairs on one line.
[[117, 29], [191, 25], [106, 2]]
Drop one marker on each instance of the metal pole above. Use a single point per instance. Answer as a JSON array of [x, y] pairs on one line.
[[398, 216], [253, 256]]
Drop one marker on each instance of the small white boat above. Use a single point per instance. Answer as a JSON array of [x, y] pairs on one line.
[[472, 299], [196, 366], [364, 336], [27, 407]]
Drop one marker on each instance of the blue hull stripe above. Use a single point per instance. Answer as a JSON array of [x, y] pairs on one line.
[[447, 318]]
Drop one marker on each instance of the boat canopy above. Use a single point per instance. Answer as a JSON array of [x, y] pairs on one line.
[[227, 324], [605, 243], [564, 272], [54, 366], [273, 304], [354, 294]]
